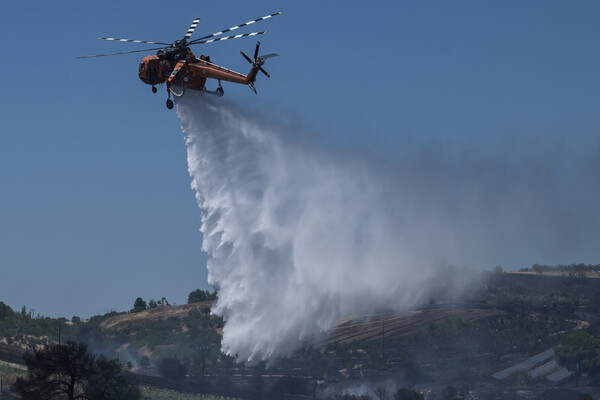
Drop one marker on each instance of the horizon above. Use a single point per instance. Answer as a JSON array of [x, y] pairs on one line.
[[96, 207]]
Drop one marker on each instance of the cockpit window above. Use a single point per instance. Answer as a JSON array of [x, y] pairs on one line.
[[141, 66]]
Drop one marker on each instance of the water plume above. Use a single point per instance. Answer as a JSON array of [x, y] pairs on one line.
[[298, 237]]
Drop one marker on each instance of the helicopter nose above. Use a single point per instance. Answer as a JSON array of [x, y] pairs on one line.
[[150, 71]]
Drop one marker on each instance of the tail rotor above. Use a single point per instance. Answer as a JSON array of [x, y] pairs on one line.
[[258, 61]]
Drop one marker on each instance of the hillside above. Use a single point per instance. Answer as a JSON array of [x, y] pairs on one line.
[[501, 321], [144, 318]]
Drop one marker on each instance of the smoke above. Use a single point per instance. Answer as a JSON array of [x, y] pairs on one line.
[[298, 237]]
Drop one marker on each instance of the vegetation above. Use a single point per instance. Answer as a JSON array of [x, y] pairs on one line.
[[70, 371], [26, 328], [531, 313], [572, 270], [9, 374], [161, 394], [139, 305], [198, 296], [580, 352]]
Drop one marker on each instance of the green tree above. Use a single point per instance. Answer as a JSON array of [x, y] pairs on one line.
[[5, 311], [110, 380], [198, 296], [580, 352], [139, 305], [69, 371], [163, 302]]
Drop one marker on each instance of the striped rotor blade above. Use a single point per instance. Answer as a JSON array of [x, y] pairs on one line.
[[235, 27], [191, 30], [116, 54], [230, 37], [132, 41]]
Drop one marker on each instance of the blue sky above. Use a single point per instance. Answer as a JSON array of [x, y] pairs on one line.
[[95, 205]]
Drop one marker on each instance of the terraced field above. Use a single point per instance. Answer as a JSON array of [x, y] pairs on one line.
[[371, 327]]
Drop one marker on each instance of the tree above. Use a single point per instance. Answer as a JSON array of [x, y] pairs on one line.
[[109, 380], [139, 305], [69, 371], [163, 302], [580, 352], [5, 311], [198, 296]]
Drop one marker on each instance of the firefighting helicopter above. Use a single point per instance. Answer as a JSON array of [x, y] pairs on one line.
[[180, 69]]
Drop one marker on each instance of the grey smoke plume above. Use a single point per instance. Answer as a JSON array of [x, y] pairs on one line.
[[298, 237]]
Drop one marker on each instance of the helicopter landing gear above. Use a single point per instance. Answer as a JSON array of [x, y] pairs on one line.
[[169, 101], [154, 90], [220, 91]]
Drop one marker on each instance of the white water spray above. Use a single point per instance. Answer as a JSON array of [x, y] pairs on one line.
[[297, 238]]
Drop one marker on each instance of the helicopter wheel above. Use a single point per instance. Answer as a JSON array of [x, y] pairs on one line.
[[220, 91], [169, 104], [154, 90]]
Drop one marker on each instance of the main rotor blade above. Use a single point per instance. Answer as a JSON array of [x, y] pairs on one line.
[[227, 37], [191, 30], [235, 27], [132, 41], [116, 54]]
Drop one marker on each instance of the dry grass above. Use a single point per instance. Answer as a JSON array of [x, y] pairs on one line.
[[134, 320], [10, 372]]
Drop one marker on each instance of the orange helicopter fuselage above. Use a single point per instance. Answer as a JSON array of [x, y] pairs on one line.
[[191, 72]]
